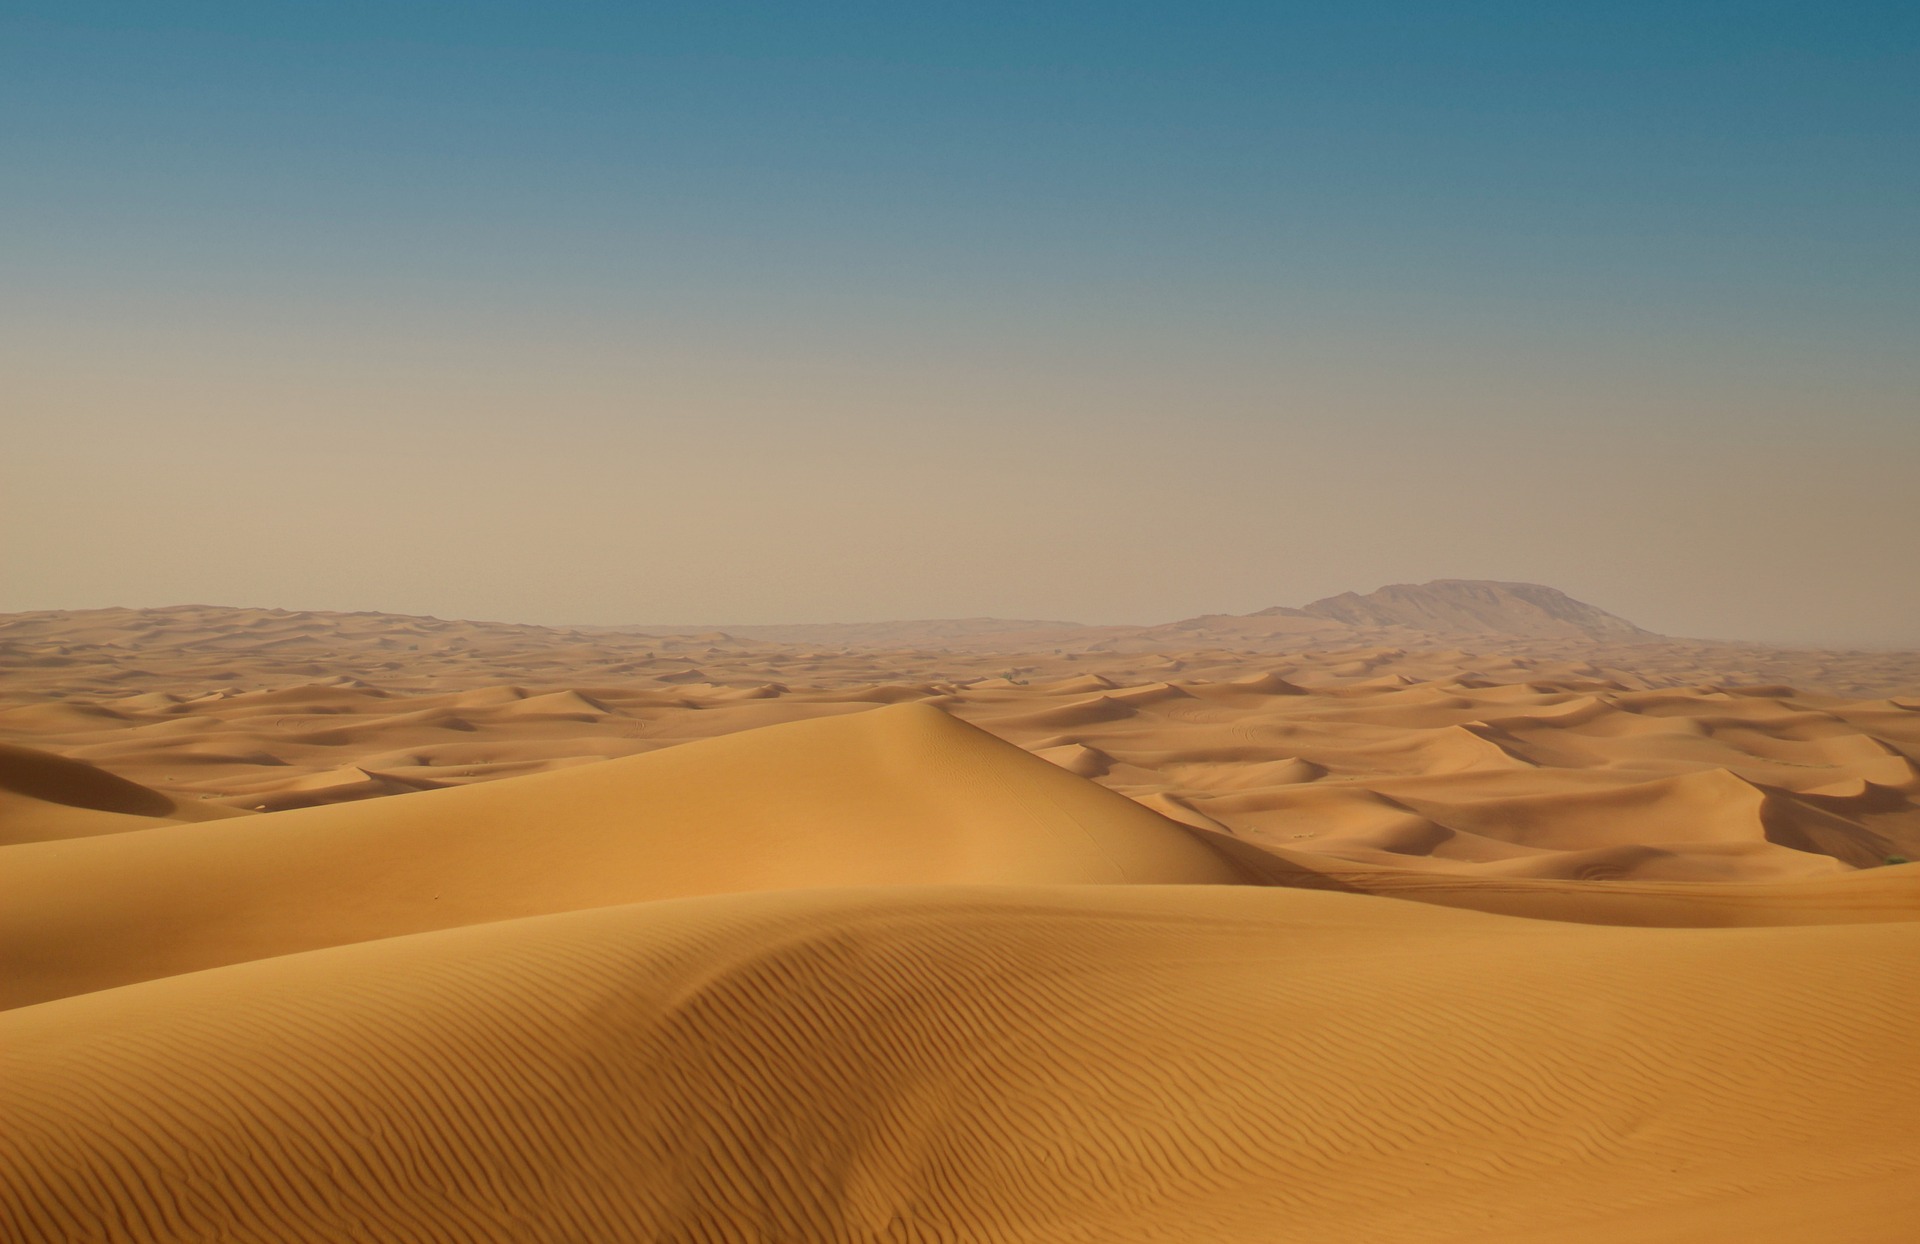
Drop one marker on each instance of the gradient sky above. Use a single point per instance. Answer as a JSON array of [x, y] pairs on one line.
[[621, 312]]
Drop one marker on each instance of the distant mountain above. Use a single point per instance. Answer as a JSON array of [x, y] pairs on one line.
[[1449, 609], [1401, 613], [1474, 607]]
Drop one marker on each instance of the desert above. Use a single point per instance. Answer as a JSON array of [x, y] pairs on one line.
[[321, 926], [991, 623]]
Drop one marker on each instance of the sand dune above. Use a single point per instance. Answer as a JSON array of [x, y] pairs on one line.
[[1283, 755], [44, 797], [358, 927], [191, 649], [892, 795], [1026, 1064]]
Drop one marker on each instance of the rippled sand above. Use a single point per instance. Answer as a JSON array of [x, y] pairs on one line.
[[356, 927]]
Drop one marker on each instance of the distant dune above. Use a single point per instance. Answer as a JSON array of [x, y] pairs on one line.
[[359, 927], [213, 648], [44, 796], [924, 633]]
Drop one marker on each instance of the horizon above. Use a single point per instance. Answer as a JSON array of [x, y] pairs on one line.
[[684, 627], [1105, 312]]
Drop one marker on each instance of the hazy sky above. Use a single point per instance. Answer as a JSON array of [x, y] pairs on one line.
[[626, 312]]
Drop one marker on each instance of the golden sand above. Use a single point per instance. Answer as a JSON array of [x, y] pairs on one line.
[[343, 927]]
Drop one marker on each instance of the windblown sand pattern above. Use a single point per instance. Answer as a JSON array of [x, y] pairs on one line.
[[325, 927]]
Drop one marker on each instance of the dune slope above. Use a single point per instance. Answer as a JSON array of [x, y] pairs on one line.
[[1030, 1064], [895, 795], [44, 796]]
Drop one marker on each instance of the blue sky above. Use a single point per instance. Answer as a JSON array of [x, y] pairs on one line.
[[1705, 152], [1117, 240]]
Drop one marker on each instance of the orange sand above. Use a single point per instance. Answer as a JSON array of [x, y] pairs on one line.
[[585, 935]]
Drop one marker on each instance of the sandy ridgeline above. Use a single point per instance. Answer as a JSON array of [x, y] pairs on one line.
[[392, 929]]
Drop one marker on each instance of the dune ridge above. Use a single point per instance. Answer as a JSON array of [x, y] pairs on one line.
[[889, 796]]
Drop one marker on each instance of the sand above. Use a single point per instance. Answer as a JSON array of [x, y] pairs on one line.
[[992, 1063], [358, 927], [902, 794]]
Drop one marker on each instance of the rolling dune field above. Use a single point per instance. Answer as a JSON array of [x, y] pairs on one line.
[[360, 927]]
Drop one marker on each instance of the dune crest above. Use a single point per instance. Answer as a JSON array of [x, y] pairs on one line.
[[901, 794]]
